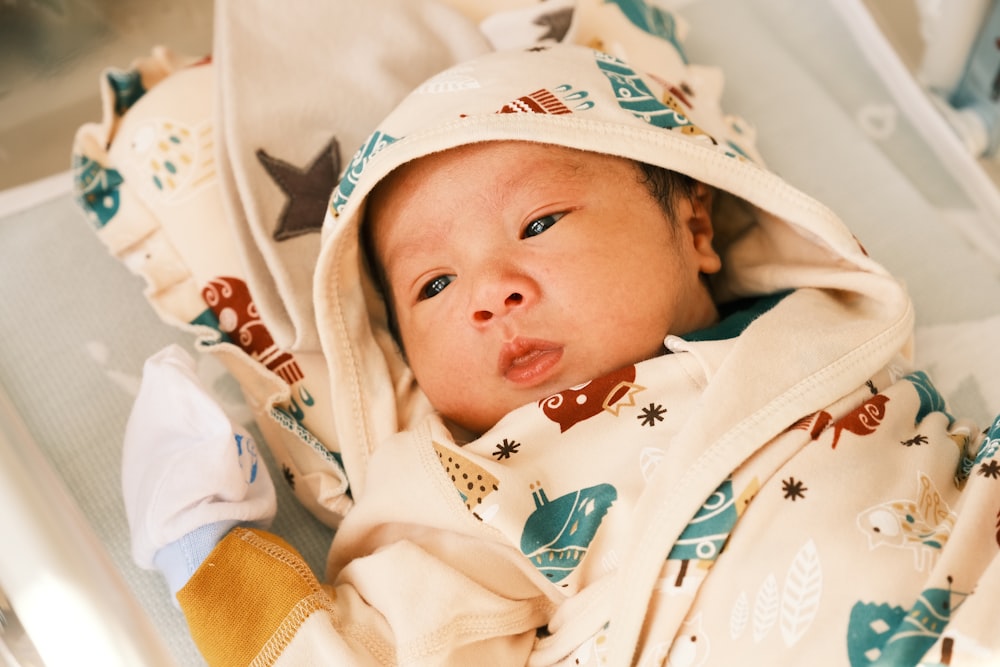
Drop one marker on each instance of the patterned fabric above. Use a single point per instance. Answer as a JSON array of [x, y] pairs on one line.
[[778, 564]]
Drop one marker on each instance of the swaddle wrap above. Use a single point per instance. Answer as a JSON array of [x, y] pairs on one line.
[[843, 333]]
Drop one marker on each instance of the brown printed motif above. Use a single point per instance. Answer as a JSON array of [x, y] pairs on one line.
[[607, 394], [540, 101], [229, 298], [474, 483], [863, 420], [552, 102]]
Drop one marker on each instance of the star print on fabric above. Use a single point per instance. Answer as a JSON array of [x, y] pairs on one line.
[[915, 440], [556, 24], [990, 469], [506, 448], [793, 489], [289, 477], [651, 414], [308, 190]]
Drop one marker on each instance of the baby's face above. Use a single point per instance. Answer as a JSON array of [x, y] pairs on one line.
[[517, 270]]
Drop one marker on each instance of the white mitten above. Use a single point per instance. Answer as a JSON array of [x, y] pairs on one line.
[[188, 473]]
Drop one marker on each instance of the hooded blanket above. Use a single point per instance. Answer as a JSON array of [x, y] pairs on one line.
[[778, 489]]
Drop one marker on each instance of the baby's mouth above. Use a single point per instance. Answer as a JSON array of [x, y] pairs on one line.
[[529, 362]]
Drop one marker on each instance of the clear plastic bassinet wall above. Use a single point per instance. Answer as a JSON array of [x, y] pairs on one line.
[[941, 61], [51, 55]]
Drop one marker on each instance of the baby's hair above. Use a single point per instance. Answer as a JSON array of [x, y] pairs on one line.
[[665, 185]]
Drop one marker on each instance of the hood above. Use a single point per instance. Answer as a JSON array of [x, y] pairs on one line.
[[771, 236]]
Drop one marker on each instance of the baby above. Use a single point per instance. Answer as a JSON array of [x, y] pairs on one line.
[[608, 392]]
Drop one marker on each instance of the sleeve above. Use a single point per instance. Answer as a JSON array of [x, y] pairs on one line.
[[255, 601]]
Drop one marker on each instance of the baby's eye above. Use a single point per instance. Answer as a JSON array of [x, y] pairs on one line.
[[435, 286], [536, 227]]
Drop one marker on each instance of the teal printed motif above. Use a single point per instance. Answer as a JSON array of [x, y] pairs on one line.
[[127, 88], [879, 633], [207, 318], [96, 189], [987, 449], [307, 399], [707, 532], [635, 96], [653, 20], [376, 142], [246, 453], [558, 534], [930, 399]]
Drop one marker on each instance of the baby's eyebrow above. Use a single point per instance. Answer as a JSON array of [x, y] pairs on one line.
[[406, 257]]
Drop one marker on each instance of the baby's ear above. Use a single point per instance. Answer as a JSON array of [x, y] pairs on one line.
[[699, 223], [705, 195]]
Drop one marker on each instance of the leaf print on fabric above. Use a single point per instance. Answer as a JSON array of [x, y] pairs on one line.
[[739, 616], [649, 461], [765, 608], [801, 595]]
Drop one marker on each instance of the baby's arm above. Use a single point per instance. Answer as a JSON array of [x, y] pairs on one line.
[[197, 497], [255, 598]]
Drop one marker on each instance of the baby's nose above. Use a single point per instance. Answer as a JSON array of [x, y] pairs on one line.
[[512, 300]]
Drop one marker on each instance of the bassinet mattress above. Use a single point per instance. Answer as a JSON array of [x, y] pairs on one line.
[[75, 327]]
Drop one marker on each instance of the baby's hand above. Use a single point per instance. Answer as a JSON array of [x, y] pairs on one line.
[[188, 473]]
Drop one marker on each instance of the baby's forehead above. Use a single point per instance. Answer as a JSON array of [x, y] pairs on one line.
[[501, 171], [507, 162]]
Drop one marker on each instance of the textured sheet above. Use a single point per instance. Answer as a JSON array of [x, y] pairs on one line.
[[74, 331]]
